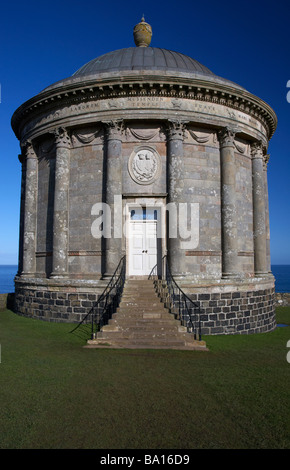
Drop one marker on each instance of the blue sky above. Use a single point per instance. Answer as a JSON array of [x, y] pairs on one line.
[[246, 42]]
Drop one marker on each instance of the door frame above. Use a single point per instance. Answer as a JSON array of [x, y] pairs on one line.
[[153, 203]]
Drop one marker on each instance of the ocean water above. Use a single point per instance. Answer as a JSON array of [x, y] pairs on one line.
[[7, 274], [281, 273]]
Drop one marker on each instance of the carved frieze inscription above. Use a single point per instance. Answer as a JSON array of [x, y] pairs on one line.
[[209, 111]]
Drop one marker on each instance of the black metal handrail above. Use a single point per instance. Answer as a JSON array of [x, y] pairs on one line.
[[180, 300], [153, 273], [108, 301]]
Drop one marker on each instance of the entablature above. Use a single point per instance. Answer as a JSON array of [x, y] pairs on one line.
[[51, 100]]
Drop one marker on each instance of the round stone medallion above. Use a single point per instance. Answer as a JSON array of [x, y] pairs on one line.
[[144, 165]]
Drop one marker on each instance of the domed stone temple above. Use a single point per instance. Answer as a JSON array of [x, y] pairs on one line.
[[145, 155]]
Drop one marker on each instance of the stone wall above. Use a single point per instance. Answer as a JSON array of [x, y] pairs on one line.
[[56, 300], [282, 299], [236, 312], [54, 305], [86, 189], [202, 186], [239, 312], [7, 301], [3, 301], [230, 312]]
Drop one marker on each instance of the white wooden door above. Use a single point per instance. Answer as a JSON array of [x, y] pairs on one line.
[[142, 247], [151, 245]]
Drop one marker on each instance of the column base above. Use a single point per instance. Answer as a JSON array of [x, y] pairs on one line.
[[27, 275], [107, 276], [230, 275], [59, 275], [263, 274]]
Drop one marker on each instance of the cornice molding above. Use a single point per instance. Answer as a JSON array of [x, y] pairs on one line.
[[181, 88]]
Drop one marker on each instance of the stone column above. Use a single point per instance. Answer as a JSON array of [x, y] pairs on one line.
[[228, 203], [259, 222], [265, 166], [21, 158], [61, 204], [30, 211], [175, 189], [113, 195]]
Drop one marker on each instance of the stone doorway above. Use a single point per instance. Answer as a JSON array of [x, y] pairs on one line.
[[145, 240]]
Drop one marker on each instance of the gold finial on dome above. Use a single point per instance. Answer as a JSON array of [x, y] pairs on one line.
[[142, 33]]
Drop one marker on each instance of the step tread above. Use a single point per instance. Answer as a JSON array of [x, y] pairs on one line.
[[144, 345]]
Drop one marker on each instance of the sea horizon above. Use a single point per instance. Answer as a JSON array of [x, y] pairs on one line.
[[281, 273]]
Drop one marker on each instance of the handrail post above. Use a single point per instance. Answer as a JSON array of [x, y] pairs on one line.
[[92, 325], [199, 326]]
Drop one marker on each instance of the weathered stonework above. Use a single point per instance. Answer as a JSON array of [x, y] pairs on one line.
[[232, 310], [282, 299], [152, 135]]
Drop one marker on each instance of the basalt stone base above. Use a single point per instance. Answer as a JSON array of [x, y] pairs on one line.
[[224, 309], [237, 311], [56, 301]]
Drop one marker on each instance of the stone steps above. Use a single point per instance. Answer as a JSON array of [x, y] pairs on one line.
[[145, 324], [142, 321], [142, 335], [141, 315], [140, 308], [144, 328]]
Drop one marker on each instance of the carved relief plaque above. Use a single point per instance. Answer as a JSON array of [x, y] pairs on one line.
[[144, 165]]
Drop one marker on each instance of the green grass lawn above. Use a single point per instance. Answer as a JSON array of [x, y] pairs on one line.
[[56, 394]]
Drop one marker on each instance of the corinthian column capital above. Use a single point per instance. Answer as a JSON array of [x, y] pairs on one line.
[[114, 129], [21, 158], [266, 161], [176, 129], [226, 136], [28, 149], [62, 137], [257, 149]]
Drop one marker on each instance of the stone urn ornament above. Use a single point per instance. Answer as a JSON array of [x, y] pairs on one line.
[[142, 34]]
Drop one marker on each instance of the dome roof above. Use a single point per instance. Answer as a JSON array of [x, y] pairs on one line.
[[128, 62], [142, 58], [141, 69]]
